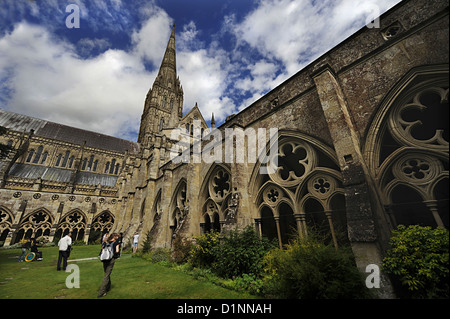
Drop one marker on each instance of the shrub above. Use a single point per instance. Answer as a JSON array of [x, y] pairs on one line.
[[181, 248], [418, 261], [308, 269], [240, 252], [203, 252]]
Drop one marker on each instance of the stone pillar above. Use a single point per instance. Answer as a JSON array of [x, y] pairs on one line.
[[300, 218], [360, 220], [277, 222], [330, 222], [258, 227], [433, 207]]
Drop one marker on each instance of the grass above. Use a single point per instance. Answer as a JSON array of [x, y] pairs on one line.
[[132, 278]]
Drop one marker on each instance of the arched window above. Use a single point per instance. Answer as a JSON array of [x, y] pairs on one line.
[[44, 157], [107, 167], [91, 162], [58, 160], [407, 150], [300, 194], [94, 169], [117, 169], [113, 165], [83, 167], [72, 158], [30, 155], [38, 154], [66, 158]]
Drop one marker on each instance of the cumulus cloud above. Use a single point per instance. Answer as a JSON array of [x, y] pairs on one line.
[[47, 79], [93, 86]]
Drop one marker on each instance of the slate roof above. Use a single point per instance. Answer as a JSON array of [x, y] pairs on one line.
[[61, 175], [42, 128]]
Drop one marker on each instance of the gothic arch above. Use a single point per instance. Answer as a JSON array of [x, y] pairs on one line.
[[103, 222], [216, 191], [179, 207], [307, 170], [6, 222], [37, 223], [407, 147], [156, 209], [74, 222]]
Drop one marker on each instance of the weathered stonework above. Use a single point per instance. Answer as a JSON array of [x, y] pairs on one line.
[[353, 161]]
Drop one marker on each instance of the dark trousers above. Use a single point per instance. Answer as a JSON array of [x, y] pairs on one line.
[[63, 255], [106, 283]]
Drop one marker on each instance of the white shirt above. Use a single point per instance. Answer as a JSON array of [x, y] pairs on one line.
[[64, 243], [135, 239]]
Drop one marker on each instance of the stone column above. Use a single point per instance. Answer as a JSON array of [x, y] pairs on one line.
[[360, 219], [277, 222], [258, 227]]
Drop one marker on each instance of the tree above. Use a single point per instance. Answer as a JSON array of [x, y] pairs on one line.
[[418, 261]]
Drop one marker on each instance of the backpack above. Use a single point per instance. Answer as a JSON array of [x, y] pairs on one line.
[[107, 252]]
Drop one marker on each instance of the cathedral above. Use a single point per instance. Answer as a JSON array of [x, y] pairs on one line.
[[362, 146]]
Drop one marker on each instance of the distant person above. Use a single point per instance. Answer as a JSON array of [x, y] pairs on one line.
[[25, 247], [108, 265], [105, 237], [64, 245], [135, 242], [34, 249], [120, 241]]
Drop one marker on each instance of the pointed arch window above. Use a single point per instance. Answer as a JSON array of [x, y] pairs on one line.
[[44, 157], [72, 158], [66, 158], [58, 160], [106, 167], [30, 155], [91, 162], [113, 164], [84, 163], [38, 154]]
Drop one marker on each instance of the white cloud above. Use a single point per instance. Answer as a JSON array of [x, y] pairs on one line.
[[46, 77], [291, 33], [50, 81], [150, 40]]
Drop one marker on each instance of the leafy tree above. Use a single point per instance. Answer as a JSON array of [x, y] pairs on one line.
[[146, 246], [418, 261]]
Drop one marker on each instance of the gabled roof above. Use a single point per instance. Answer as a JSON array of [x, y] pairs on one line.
[[42, 128], [194, 110]]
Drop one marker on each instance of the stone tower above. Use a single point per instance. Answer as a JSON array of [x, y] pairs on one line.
[[163, 107]]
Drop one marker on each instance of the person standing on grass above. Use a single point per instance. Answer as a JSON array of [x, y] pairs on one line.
[[135, 242], [64, 245], [108, 265]]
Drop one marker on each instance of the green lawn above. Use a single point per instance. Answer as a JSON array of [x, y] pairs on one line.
[[133, 278]]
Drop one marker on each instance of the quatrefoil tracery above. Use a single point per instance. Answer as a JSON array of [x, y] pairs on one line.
[[295, 160]]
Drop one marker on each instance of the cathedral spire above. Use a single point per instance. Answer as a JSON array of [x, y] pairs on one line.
[[163, 107], [168, 69]]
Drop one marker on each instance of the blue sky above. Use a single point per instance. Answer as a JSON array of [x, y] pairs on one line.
[[96, 77]]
